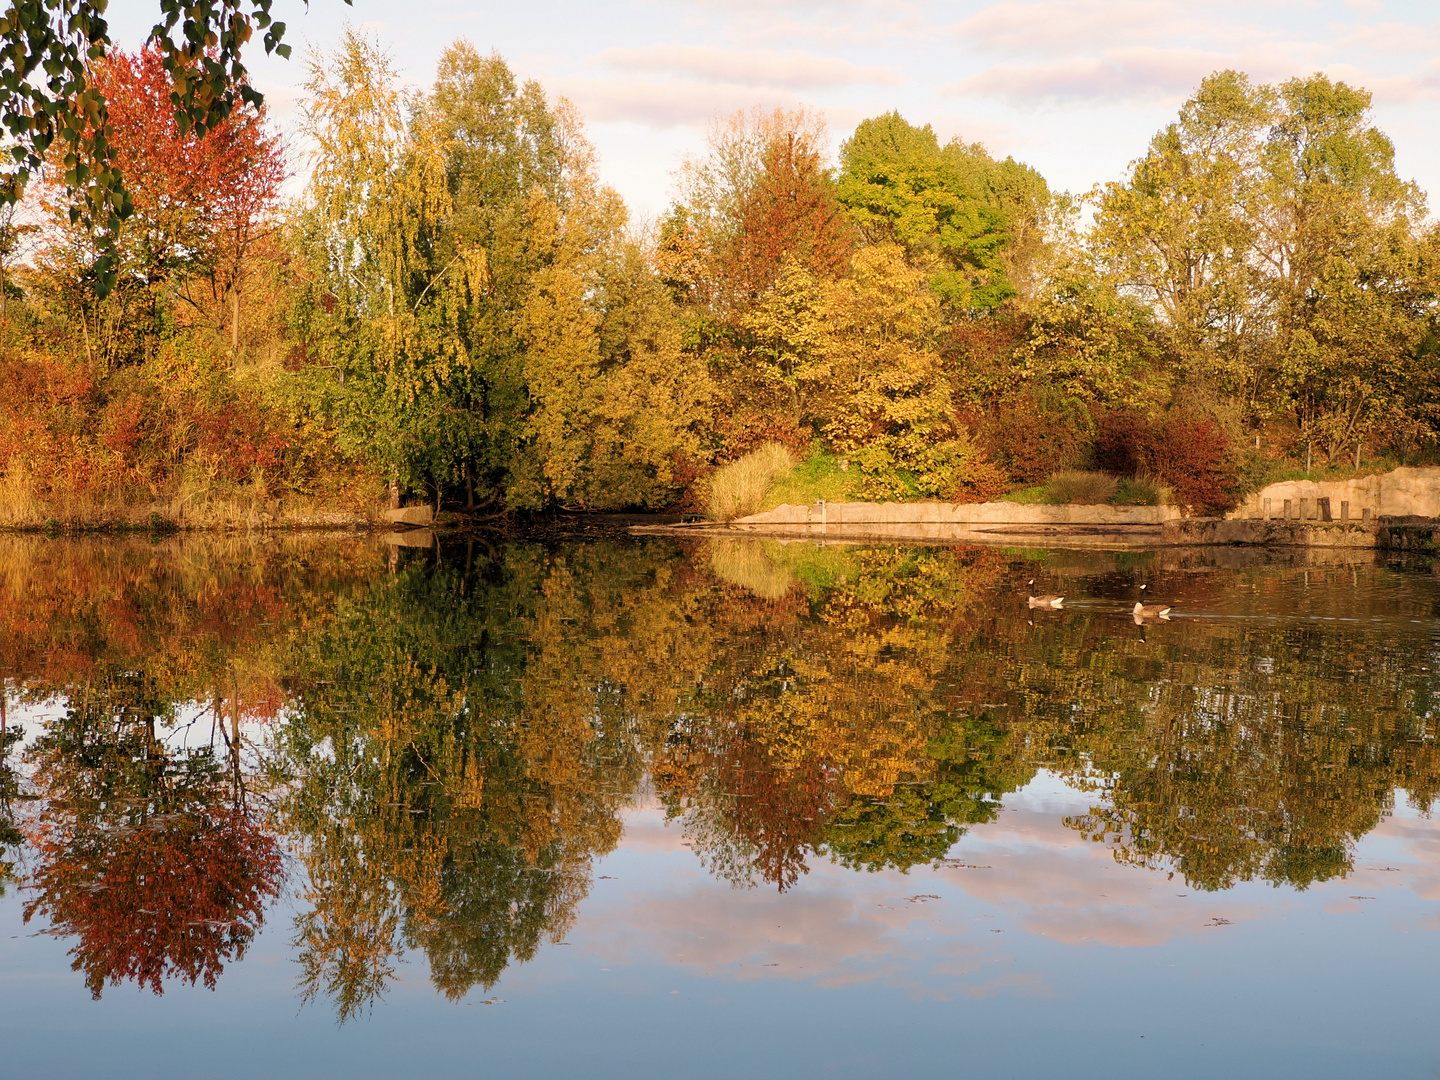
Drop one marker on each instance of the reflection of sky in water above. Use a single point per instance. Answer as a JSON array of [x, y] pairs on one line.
[[1033, 954]]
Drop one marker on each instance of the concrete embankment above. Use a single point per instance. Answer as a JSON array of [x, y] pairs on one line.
[[1400, 493], [937, 522], [1066, 526], [1333, 534]]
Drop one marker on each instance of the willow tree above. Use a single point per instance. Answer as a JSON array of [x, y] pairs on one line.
[[464, 254], [387, 314]]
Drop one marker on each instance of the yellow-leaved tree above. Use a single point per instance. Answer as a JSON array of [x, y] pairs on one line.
[[890, 400]]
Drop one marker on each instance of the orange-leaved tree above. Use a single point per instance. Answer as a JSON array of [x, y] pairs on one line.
[[201, 203]]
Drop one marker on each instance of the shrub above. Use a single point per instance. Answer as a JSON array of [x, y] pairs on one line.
[[1036, 433], [238, 438], [1124, 442], [1143, 490], [737, 489], [1074, 486], [1188, 452], [1192, 454]]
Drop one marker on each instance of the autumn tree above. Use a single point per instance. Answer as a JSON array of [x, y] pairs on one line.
[[147, 857], [760, 198], [471, 280], [199, 201], [1283, 253], [62, 115], [900, 186]]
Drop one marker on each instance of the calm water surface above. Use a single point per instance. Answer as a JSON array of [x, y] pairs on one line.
[[607, 807]]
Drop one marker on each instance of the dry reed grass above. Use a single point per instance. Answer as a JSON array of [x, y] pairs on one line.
[[1077, 486], [738, 489], [745, 563], [192, 501]]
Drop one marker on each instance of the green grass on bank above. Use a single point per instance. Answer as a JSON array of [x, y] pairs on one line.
[[1038, 495], [818, 476]]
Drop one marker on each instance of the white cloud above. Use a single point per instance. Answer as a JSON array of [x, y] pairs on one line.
[[1127, 74], [1388, 38], [665, 104], [1068, 26], [752, 67]]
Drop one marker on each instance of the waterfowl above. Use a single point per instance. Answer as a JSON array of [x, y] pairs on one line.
[[1151, 611], [1049, 600]]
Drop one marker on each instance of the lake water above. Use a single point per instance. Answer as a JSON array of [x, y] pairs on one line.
[[605, 807]]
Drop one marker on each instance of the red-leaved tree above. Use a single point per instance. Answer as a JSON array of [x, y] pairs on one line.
[[790, 213], [201, 204]]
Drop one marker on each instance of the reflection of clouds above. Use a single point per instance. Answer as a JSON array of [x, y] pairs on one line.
[[838, 928], [1411, 859], [1056, 884]]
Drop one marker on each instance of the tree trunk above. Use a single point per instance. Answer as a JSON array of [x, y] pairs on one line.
[[1357, 455], [469, 487], [235, 323], [394, 494]]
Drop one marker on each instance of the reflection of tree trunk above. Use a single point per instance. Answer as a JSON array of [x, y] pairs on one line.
[[235, 748], [394, 560]]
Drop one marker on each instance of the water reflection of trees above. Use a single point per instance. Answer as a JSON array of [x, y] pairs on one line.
[[454, 742], [453, 766], [146, 855]]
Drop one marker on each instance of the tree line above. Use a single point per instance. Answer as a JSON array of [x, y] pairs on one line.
[[456, 308]]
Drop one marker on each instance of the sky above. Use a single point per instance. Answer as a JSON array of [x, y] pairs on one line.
[[1075, 88]]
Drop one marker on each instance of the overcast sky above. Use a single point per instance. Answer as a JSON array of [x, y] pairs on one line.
[[1075, 88]]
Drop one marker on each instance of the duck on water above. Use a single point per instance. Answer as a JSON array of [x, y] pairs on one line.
[[1150, 611], [1049, 600]]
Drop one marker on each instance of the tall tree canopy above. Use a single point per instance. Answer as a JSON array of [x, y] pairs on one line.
[[1284, 254]]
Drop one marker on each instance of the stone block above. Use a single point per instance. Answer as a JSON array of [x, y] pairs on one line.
[[416, 516]]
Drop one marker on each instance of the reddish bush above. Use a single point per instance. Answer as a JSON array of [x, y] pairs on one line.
[[1188, 452], [981, 481], [121, 427], [741, 432], [239, 438], [1124, 442], [1033, 434]]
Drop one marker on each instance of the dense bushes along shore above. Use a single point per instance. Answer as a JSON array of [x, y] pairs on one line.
[[457, 310]]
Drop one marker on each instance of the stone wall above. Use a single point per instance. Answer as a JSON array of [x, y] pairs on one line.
[[1409, 492], [939, 513]]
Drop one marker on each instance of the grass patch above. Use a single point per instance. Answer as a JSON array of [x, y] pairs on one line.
[[738, 489], [1086, 488], [818, 477], [1141, 491], [1039, 495]]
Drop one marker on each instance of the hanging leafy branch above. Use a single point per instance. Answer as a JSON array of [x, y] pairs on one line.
[[47, 50]]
